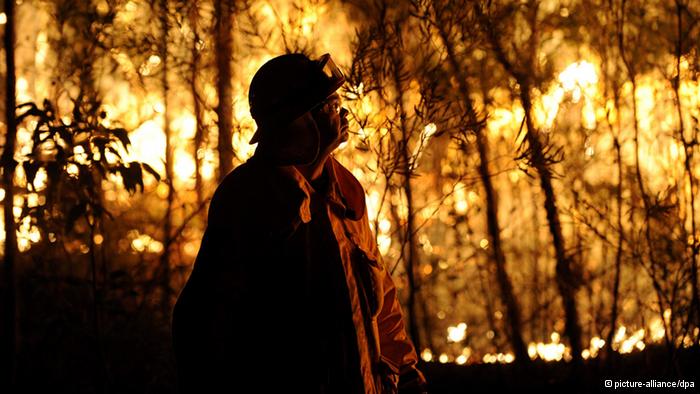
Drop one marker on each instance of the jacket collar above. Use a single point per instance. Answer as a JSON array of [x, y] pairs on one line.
[[344, 193], [345, 190]]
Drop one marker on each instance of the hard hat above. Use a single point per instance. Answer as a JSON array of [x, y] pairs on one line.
[[288, 86]]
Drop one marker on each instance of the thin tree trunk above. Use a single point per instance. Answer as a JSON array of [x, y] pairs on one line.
[[9, 317], [412, 253], [224, 109], [618, 252], [538, 286], [197, 106], [640, 180], [566, 280], [499, 259], [484, 274], [427, 324], [169, 172], [608, 350]]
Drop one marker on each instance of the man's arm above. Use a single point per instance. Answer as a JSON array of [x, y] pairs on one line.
[[396, 347]]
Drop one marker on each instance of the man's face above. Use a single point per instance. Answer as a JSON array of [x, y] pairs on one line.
[[332, 123]]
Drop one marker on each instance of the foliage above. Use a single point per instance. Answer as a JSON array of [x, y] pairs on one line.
[[76, 154]]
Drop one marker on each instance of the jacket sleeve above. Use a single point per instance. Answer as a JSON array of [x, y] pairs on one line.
[[396, 348]]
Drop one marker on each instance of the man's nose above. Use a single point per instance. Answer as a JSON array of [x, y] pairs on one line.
[[344, 112]]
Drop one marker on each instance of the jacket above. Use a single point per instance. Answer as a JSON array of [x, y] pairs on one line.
[[245, 307]]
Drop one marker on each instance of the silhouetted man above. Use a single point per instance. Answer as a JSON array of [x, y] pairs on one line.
[[288, 293]]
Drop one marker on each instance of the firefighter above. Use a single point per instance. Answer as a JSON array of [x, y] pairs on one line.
[[289, 292]]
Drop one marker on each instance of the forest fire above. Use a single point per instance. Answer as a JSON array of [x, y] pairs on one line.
[[530, 168]]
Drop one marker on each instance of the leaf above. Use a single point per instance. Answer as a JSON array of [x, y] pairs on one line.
[[65, 134], [123, 137], [77, 116], [126, 178], [113, 151], [32, 111], [136, 173], [151, 171], [30, 169], [100, 143], [132, 176]]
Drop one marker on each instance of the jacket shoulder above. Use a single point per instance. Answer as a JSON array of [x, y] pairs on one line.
[[234, 194]]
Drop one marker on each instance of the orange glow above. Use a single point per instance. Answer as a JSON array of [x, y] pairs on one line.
[[572, 107]]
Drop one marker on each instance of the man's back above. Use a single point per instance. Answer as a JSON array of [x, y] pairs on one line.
[[234, 317], [267, 292]]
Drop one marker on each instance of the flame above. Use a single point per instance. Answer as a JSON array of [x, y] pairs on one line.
[[144, 242], [657, 330], [628, 344], [148, 145], [503, 358], [426, 355], [552, 351], [460, 199], [579, 80], [660, 154], [457, 333], [184, 166]]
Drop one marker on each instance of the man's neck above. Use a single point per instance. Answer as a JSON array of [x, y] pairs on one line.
[[312, 171]]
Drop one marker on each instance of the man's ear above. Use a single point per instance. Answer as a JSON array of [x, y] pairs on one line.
[[294, 144]]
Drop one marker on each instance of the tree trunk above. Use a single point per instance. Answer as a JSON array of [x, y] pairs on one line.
[[609, 353], [566, 279], [169, 172], [542, 308], [618, 252], [632, 74], [410, 239], [9, 316], [484, 284], [197, 107], [224, 109], [499, 259]]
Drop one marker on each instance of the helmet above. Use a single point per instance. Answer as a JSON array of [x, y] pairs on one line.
[[287, 87]]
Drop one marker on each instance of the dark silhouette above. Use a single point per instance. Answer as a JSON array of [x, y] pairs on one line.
[[289, 281]]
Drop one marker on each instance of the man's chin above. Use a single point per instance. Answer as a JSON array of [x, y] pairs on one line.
[[342, 138]]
